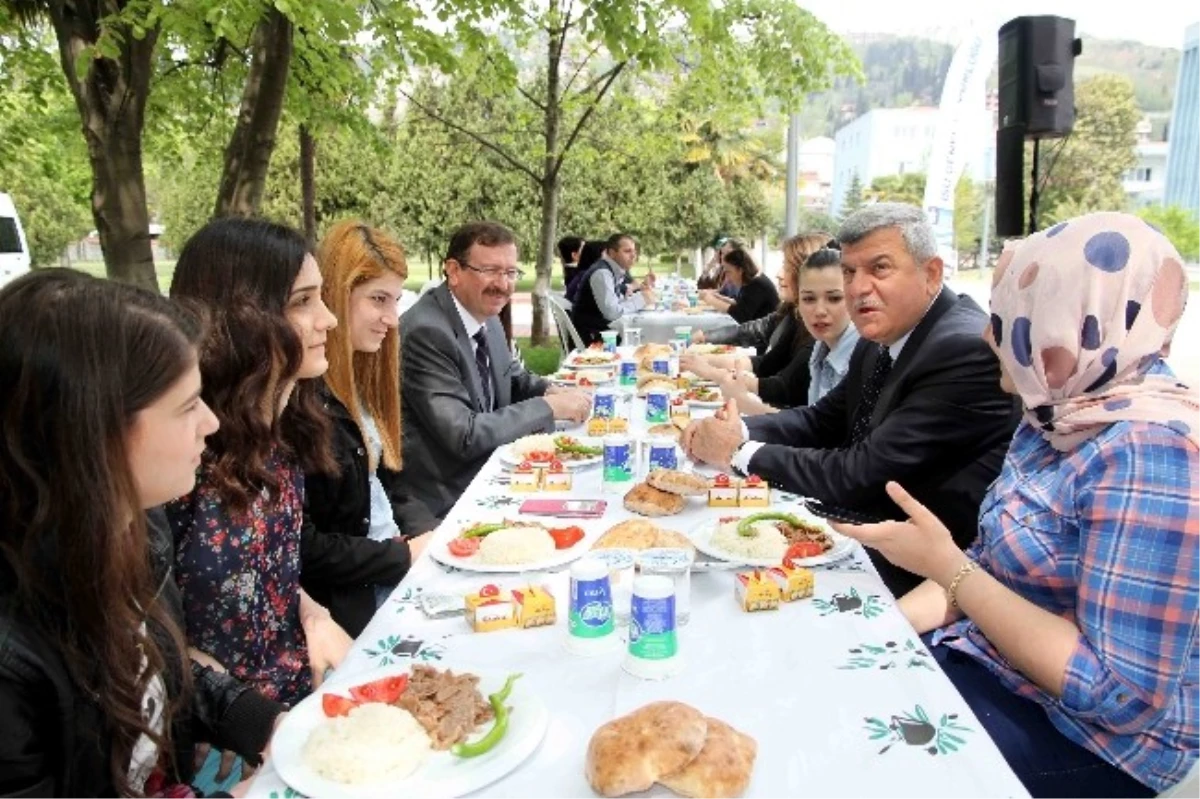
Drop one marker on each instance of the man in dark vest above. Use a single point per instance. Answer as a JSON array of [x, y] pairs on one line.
[[606, 292]]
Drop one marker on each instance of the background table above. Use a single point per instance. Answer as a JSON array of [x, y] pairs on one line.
[[658, 327], [838, 690]]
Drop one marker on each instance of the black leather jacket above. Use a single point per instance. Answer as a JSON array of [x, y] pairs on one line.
[[338, 508], [53, 738]]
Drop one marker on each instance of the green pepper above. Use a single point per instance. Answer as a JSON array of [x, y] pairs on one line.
[[499, 726], [480, 530], [746, 529]]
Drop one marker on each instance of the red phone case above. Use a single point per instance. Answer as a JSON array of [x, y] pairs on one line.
[[565, 508]]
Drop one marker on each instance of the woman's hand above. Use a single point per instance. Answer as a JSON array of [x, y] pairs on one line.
[[921, 545], [327, 642], [417, 544]]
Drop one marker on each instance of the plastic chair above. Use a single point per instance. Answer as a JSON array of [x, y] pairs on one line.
[[568, 336]]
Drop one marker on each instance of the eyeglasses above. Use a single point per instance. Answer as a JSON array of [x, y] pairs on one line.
[[492, 273]]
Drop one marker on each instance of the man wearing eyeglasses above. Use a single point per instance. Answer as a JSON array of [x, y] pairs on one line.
[[463, 395], [608, 291]]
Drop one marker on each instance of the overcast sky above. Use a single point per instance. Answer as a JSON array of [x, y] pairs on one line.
[[1157, 22]]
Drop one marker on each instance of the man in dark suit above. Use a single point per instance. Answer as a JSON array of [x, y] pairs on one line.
[[921, 403], [463, 395]]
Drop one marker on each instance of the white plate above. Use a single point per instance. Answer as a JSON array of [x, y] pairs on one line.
[[440, 552], [596, 378], [442, 774], [573, 363], [508, 458], [842, 546], [706, 403]]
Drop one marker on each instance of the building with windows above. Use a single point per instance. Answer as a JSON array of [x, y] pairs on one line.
[[1182, 185], [897, 141], [1145, 181]]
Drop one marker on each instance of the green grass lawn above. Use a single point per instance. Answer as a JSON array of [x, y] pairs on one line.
[[539, 360]]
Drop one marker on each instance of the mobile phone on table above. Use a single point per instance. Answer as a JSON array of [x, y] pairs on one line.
[[565, 508], [835, 514]]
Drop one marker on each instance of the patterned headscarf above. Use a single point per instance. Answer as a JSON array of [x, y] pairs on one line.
[[1080, 312]]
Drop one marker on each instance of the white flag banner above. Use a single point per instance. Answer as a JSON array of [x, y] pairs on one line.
[[958, 134]]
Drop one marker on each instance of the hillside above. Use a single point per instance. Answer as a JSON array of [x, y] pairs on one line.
[[907, 70]]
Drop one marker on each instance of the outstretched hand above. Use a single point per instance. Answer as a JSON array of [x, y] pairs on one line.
[[921, 545]]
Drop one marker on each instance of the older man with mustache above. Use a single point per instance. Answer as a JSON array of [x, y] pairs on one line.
[[921, 403], [463, 394]]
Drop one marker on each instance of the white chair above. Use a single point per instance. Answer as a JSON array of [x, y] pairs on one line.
[[567, 334]]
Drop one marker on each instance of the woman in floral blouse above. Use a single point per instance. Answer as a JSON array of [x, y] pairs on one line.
[[238, 534], [1070, 626]]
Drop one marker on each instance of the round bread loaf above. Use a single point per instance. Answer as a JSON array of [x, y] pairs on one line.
[[649, 501], [722, 768], [685, 484], [631, 753]]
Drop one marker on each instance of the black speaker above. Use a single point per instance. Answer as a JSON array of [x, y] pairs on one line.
[[1037, 66], [1010, 182]]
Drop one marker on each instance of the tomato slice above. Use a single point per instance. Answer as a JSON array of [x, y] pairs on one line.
[[463, 547], [566, 537], [801, 550], [386, 690], [335, 705]]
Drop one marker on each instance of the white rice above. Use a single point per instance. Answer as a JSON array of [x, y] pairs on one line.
[[514, 545], [373, 743], [768, 544], [522, 447]]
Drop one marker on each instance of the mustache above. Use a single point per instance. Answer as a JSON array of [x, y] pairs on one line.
[[868, 304]]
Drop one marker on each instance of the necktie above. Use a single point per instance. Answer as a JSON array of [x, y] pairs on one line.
[[870, 396], [481, 365]]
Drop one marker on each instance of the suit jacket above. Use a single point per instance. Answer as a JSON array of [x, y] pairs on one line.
[[447, 434], [940, 428]]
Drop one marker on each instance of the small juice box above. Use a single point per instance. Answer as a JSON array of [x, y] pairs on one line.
[[754, 493], [526, 478], [794, 582], [681, 412], [535, 607], [723, 492], [490, 609], [556, 477], [756, 591]]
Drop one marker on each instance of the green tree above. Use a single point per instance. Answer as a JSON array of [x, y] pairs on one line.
[[907, 188], [968, 217], [1084, 172], [582, 50], [1178, 225], [853, 199]]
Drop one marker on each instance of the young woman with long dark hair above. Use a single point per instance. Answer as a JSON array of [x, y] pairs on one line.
[[102, 420], [238, 534]]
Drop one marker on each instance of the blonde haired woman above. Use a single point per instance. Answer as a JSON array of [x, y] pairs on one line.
[[364, 271]]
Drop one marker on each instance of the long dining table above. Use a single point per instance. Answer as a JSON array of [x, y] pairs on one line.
[[839, 691]]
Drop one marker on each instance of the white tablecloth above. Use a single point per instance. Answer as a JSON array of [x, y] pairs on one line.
[[819, 683], [658, 327]]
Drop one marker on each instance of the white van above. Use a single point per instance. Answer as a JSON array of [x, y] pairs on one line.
[[14, 252]]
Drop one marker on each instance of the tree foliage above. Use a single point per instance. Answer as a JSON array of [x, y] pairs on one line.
[[1083, 172], [1178, 225]]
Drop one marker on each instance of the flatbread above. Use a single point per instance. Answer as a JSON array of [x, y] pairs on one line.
[[649, 501], [685, 484], [641, 534], [650, 350], [633, 534], [630, 753], [723, 767], [668, 430]]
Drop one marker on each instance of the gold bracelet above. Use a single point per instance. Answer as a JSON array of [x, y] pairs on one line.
[[959, 576]]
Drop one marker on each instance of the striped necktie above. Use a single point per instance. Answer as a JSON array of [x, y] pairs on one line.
[[483, 367]]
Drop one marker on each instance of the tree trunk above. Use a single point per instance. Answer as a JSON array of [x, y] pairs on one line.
[[550, 188], [111, 99], [308, 184], [249, 152]]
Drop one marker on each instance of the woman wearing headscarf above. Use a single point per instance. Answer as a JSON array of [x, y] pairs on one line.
[[1070, 626]]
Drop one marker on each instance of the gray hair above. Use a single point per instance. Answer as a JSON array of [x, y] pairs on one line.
[[908, 219]]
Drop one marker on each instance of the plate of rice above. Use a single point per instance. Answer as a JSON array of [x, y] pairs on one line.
[[383, 750], [510, 547], [770, 541]]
